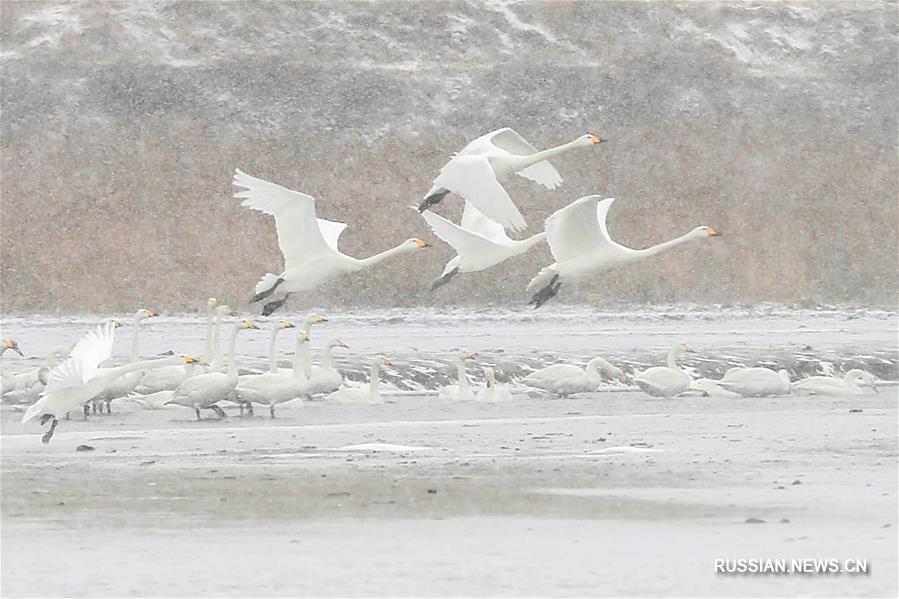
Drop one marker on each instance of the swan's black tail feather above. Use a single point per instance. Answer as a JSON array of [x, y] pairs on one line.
[[432, 199], [264, 294], [445, 278], [547, 293]]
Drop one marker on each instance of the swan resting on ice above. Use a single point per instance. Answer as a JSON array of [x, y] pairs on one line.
[[666, 381], [852, 383], [567, 379], [756, 382]]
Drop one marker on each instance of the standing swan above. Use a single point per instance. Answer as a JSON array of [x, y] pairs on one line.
[[371, 395], [477, 172], [850, 384], [566, 379], [665, 381], [203, 390], [309, 244], [580, 243], [272, 388], [461, 391], [479, 242], [272, 347]]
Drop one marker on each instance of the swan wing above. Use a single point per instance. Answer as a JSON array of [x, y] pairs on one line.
[[330, 231], [542, 172], [472, 177], [475, 221], [578, 228], [461, 239], [299, 231], [84, 361]]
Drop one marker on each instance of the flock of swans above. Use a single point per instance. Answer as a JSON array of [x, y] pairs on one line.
[[577, 234], [86, 378]]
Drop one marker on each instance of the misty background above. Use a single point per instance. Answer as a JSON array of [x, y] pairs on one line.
[[122, 124]]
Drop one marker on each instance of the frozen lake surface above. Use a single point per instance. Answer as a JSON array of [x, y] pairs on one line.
[[607, 493]]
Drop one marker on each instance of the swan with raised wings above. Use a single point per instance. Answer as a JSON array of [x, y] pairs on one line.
[[580, 243], [479, 242], [309, 244], [477, 172]]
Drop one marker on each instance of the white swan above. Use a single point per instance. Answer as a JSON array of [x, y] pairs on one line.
[[665, 381], [158, 400], [26, 385], [218, 359], [479, 242], [566, 379], [477, 172], [757, 382], [492, 391], [309, 244], [125, 384], [851, 384], [272, 388], [79, 379], [580, 243], [710, 388], [461, 391], [211, 305], [10, 344], [326, 378], [203, 390], [372, 394]]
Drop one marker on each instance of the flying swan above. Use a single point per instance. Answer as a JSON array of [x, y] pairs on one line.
[[580, 243], [309, 244], [479, 242], [477, 172]]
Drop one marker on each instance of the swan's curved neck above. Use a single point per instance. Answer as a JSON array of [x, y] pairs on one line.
[[463, 379], [528, 243], [652, 251], [210, 319], [594, 374], [675, 351], [526, 161], [327, 358], [272, 363], [301, 362], [374, 387], [372, 260], [216, 340], [115, 372]]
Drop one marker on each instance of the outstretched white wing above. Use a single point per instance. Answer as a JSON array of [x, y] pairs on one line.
[[542, 172], [84, 361], [475, 221], [472, 178], [299, 236], [456, 236], [331, 231], [578, 228]]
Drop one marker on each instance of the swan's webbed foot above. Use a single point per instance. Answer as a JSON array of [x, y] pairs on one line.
[[445, 278], [218, 411], [270, 307], [547, 293], [49, 434], [264, 294], [432, 199]]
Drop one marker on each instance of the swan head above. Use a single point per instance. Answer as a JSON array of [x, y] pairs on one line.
[[145, 313], [416, 244], [225, 310], [115, 323], [339, 343], [188, 359], [247, 325], [703, 231], [286, 324], [211, 303], [385, 361], [490, 376], [589, 139], [13, 345], [862, 379], [683, 348], [622, 376]]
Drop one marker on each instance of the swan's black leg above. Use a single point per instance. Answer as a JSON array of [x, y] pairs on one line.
[[547, 293], [240, 405], [270, 307], [271, 410], [87, 410], [432, 199], [94, 407], [197, 410], [45, 418], [49, 434], [445, 278], [250, 409], [264, 294], [109, 406], [218, 411]]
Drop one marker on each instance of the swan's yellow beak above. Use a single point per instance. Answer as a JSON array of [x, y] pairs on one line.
[[287, 325], [387, 362], [421, 243], [341, 344], [188, 359], [687, 348], [712, 232], [249, 325], [596, 139], [320, 318], [150, 313], [469, 354]]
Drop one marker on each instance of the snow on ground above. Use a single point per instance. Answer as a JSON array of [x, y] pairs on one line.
[[608, 493]]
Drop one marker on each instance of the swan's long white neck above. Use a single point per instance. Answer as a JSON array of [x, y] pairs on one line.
[[526, 161], [232, 351], [652, 251], [374, 387], [272, 363], [674, 353], [216, 341], [526, 244], [210, 318], [327, 358], [135, 337], [594, 374], [301, 361], [463, 379], [361, 263], [117, 371]]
